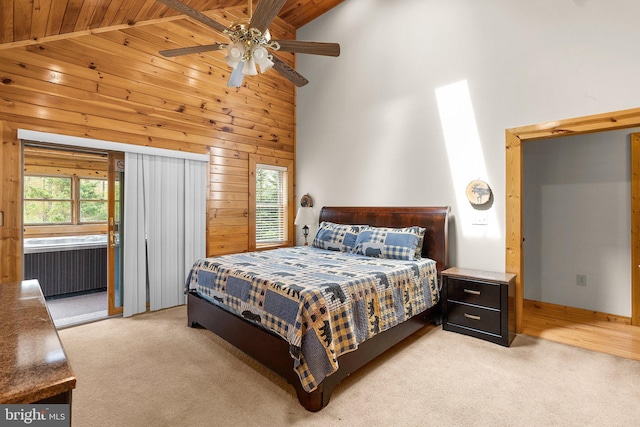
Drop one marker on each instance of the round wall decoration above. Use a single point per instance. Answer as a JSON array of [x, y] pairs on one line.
[[306, 201], [478, 192]]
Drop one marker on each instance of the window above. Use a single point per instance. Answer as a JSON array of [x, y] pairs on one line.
[[47, 200], [92, 200], [50, 200], [270, 218], [271, 204]]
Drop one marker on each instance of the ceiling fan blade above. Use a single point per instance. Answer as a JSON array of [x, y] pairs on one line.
[[265, 13], [169, 53], [292, 75], [183, 8], [237, 76], [313, 48]]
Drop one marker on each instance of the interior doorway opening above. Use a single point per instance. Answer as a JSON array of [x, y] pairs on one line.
[[515, 138], [577, 221], [70, 209]]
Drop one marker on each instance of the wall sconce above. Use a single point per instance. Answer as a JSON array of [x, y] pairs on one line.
[[305, 216]]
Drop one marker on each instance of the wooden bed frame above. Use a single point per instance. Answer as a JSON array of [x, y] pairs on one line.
[[273, 351]]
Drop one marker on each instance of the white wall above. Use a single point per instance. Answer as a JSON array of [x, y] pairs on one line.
[[418, 102], [577, 220]]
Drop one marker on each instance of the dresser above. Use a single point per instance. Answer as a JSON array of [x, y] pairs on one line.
[[479, 303], [34, 367]]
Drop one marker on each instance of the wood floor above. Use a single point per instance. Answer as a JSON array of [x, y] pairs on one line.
[[582, 328]]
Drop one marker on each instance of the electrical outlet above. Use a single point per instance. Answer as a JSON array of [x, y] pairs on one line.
[[481, 218], [581, 280]]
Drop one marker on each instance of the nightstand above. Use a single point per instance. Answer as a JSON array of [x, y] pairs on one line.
[[480, 304]]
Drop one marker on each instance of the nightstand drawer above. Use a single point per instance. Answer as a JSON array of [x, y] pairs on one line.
[[474, 292], [474, 317]]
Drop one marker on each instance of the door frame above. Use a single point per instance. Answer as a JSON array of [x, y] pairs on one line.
[[514, 138], [114, 156]]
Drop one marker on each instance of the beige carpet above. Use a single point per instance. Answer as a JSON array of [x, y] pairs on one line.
[[152, 370]]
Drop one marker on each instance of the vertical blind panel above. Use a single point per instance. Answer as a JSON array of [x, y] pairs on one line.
[[165, 201], [134, 286]]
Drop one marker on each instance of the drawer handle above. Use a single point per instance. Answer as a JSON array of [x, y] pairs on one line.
[[471, 316], [472, 292]]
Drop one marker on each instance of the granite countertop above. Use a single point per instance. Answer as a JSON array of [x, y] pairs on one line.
[[33, 364]]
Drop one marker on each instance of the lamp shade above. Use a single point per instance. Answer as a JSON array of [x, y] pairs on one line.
[[235, 54], [261, 57], [305, 216]]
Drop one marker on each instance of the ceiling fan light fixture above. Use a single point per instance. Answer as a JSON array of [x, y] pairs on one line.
[[250, 67], [250, 42], [262, 58], [235, 54]]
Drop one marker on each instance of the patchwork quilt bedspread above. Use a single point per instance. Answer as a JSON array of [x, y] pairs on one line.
[[324, 303]]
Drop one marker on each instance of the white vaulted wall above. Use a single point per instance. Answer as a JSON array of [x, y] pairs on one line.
[[417, 104]]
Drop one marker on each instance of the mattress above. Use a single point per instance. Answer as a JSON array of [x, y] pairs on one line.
[[323, 303]]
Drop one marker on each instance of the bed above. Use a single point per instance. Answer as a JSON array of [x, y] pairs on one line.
[[240, 317]]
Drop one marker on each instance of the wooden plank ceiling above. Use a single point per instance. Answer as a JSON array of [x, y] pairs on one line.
[[33, 20], [91, 68]]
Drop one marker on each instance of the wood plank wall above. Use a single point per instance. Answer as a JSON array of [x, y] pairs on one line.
[[39, 160], [10, 232], [114, 86]]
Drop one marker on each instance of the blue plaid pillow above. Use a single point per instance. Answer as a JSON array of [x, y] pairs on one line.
[[337, 237], [391, 243]]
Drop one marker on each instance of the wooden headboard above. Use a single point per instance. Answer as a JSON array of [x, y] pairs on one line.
[[433, 219]]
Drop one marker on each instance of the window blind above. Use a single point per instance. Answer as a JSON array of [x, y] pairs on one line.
[[271, 204]]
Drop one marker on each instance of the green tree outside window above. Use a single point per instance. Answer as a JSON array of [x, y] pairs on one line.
[[53, 200], [93, 200], [47, 200], [270, 205]]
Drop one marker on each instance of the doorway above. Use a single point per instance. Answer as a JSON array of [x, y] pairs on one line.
[[514, 231], [576, 221], [71, 205]]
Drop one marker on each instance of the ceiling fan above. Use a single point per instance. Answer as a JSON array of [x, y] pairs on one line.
[[250, 43]]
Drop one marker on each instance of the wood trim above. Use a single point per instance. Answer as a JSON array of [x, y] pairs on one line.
[[635, 229], [64, 230], [574, 312], [111, 228], [55, 37], [581, 125], [514, 260], [252, 202], [11, 205]]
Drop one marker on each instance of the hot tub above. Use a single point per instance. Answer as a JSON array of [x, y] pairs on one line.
[[64, 243], [67, 265]]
